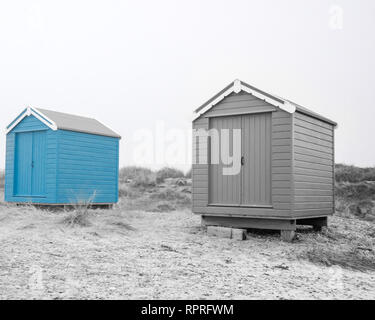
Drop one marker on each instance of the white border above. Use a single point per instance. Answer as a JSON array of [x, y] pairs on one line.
[[37, 114], [237, 87]]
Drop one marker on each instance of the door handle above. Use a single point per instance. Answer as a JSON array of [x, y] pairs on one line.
[[242, 160]]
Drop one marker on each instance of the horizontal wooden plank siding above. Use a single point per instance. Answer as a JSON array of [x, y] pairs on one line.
[[313, 174], [281, 157], [241, 103], [199, 165], [87, 166], [281, 171]]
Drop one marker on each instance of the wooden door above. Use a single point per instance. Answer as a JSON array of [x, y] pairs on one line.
[[225, 187], [251, 185], [256, 168], [30, 164], [38, 164], [22, 168]]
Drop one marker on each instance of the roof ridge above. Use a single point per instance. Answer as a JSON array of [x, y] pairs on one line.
[[70, 114]]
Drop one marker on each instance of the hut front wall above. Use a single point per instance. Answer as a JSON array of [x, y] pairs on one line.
[[87, 168], [313, 166], [281, 159], [29, 125]]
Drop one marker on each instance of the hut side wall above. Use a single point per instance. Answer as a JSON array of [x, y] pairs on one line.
[[87, 166], [281, 159], [313, 166], [30, 124]]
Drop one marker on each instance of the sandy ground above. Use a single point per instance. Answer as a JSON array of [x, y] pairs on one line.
[[143, 255]]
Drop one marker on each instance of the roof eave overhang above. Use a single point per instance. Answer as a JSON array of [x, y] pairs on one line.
[[47, 121], [37, 114], [319, 117], [237, 86]]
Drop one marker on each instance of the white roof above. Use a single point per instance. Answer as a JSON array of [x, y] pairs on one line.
[[65, 121]]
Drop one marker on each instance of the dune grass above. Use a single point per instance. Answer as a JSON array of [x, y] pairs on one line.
[[153, 191], [353, 174], [2, 179], [347, 242], [355, 192]]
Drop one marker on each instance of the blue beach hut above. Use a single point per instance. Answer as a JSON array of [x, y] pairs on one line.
[[59, 158]]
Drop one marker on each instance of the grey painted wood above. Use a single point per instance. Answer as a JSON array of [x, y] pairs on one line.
[[298, 151], [256, 171], [317, 212], [317, 122], [278, 161], [244, 211], [200, 146], [224, 189], [256, 223], [239, 103], [333, 172], [240, 111], [253, 185], [313, 166]]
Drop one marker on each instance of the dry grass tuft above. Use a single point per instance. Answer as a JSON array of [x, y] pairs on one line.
[[162, 207], [79, 216], [123, 225], [361, 259], [2, 179], [346, 243], [169, 194], [167, 172]]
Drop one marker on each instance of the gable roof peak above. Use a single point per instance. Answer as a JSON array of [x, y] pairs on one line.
[[237, 85], [64, 121]]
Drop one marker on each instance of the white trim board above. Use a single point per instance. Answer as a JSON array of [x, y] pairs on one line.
[[236, 87], [37, 114]]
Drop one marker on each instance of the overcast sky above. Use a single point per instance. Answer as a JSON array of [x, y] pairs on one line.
[[137, 65]]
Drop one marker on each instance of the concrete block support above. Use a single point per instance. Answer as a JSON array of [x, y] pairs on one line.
[[229, 233]]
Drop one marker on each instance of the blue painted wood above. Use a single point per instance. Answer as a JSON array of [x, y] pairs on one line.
[[33, 126], [19, 116], [68, 166], [30, 123], [87, 168], [38, 177], [23, 168], [30, 178], [9, 166]]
